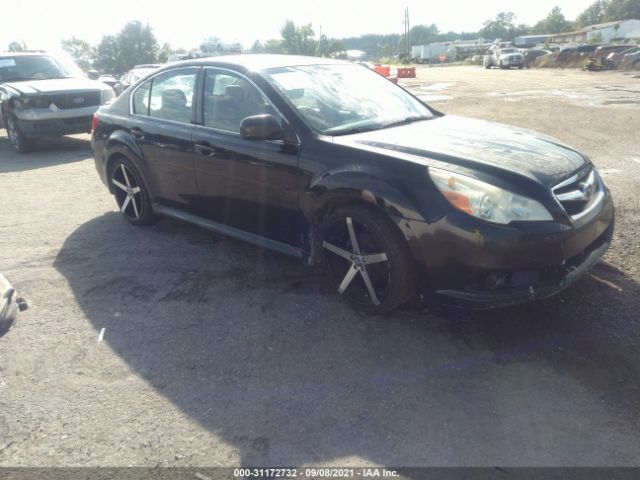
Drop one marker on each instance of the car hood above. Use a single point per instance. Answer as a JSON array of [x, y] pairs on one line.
[[55, 85], [474, 143]]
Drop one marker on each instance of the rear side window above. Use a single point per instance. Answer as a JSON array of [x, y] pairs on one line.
[[141, 99], [168, 95], [172, 95]]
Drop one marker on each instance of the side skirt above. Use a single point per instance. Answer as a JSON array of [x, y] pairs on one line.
[[229, 231]]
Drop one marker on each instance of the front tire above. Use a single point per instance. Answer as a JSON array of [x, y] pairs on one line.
[[367, 259], [130, 193], [19, 141]]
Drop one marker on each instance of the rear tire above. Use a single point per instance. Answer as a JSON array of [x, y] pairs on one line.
[[376, 275], [19, 141], [130, 193]]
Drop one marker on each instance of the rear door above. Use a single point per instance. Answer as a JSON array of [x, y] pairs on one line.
[[163, 111], [247, 184]]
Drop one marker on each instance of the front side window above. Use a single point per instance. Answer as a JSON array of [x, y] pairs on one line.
[[229, 98], [171, 96], [339, 99]]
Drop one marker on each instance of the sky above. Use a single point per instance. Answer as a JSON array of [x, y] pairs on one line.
[[184, 24]]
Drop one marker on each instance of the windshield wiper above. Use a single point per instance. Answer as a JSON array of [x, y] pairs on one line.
[[377, 126], [352, 130], [406, 121]]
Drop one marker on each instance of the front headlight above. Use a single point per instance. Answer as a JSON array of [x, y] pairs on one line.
[[108, 96], [486, 201]]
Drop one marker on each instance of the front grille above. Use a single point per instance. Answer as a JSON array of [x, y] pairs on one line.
[[580, 193], [66, 101]]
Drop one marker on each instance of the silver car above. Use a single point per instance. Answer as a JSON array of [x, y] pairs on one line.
[[504, 58], [42, 96]]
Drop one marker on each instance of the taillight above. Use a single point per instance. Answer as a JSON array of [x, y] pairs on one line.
[[94, 122]]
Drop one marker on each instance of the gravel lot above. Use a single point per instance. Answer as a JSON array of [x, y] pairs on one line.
[[217, 353]]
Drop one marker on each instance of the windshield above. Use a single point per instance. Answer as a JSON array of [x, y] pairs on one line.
[[508, 50], [32, 67], [341, 99]]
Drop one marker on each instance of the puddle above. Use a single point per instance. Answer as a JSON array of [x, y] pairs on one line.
[[617, 88], [599, 98], [605, 172], [618, 101], [434, 98], [437, 87]]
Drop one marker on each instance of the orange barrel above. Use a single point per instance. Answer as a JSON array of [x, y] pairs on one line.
[[407, 72], [384, 71]]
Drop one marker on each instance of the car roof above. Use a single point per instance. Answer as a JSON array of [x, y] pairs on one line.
[[257, 62]]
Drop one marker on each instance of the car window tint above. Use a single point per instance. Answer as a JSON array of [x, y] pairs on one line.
[[229, 98], [141, 99], [172, 95]]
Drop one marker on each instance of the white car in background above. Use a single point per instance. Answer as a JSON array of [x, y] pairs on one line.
[[504, 58]]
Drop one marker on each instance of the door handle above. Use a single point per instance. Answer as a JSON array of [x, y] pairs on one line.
[[204, 148], [137, 133]]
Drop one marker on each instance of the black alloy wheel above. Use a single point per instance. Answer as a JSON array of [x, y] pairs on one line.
[[367, 259], [131, 196]]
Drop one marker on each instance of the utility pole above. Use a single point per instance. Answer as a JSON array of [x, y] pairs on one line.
[[407, 41]]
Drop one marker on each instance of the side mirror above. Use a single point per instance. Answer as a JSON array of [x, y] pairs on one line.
[[260, 127], [93, 74]]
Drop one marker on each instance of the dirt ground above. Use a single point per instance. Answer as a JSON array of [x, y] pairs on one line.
[[217, 353]]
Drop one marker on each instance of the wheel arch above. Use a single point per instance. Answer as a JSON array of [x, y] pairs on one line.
[[121, 145], [329, 194]]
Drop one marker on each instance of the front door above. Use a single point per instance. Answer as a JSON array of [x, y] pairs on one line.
[[247, 184]]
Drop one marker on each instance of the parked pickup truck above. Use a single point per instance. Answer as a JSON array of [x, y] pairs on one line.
[[504, 58], [42, 96]]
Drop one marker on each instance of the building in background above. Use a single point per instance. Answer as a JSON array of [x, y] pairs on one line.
[[528, 41], [601, 33]]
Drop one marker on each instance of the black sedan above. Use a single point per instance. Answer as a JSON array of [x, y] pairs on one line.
[[332, 163]]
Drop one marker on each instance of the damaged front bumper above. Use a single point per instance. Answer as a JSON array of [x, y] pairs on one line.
[[466, 262]]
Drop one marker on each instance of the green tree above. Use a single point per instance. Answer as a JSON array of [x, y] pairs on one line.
[[274, 46], [17, 46], [133, 45], [107, 54], [165, 52], [621, 10], [553, 23], [81, 51], [501, 27], [298, 40], [336, 46], [257, 47], [593, 14], [322, 49], [423, 34]]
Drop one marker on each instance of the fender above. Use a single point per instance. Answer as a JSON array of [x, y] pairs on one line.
[[364, 186], [352, 185], [121, 142]]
